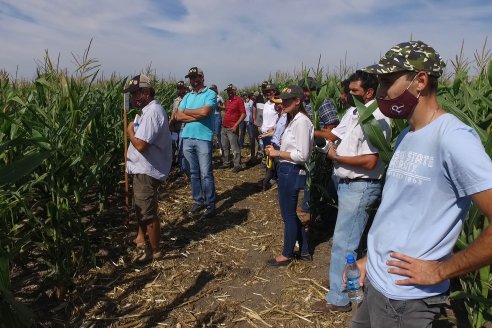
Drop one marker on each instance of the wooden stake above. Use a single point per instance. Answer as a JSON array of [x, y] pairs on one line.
[[126, 107]]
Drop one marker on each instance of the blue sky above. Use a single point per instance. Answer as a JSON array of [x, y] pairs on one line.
[[233, 41]]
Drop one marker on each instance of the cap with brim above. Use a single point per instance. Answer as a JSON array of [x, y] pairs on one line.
[[293, 91], [180, 85], [276, 100], [138, 82], [230, 87], [413, 56], [194, 71], [269, 87]]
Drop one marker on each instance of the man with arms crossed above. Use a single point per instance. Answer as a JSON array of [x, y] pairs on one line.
[[196, 110]]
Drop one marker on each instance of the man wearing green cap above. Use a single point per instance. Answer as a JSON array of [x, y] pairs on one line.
[[439, 166]]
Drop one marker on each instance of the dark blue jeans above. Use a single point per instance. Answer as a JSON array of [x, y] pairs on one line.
[[291, 179], [218, 129]]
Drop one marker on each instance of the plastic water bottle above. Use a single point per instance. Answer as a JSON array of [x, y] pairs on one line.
[[135, 121], [352, 274]]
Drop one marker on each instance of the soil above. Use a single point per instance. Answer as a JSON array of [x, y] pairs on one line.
[[212, 274]]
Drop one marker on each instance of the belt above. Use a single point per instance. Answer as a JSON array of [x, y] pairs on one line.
[[299, 166], [348, 180]]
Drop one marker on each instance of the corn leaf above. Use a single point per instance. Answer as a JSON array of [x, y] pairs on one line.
[[489, 72], [16, 170], [374, 131]]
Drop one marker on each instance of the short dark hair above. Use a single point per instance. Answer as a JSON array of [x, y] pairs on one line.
[[368, 81], [345, 86]]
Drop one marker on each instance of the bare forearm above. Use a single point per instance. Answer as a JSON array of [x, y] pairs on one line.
[[241, 118], [272, 152], [199, 113], [479, 253], [182, 117], [475, 256], [139, 144], [430, 272], [365, 161], [326, 133]]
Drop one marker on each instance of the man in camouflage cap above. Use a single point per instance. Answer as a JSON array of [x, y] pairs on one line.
[[409, 56], [438, 167]]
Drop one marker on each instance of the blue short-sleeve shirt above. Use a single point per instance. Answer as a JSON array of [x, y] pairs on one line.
[[200, 129]]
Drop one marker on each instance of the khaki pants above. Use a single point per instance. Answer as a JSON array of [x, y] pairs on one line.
[[145, 193]]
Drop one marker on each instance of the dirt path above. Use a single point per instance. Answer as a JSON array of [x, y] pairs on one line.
[[213, 273]]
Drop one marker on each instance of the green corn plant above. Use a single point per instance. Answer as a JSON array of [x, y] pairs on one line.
[[471, 103], [319, 168], [13, 313]]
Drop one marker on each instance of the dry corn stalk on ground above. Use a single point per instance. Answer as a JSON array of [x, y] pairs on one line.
[[212, 273]]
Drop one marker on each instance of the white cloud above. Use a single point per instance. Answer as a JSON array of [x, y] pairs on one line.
[[235, 41]]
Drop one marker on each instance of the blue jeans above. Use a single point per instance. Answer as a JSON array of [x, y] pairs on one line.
[[291, 179], [184, 166], [305, 200], [218, 129], [198, 153], [355, 199]]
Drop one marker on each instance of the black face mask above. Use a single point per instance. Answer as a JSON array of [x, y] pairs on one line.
[[350, 99]]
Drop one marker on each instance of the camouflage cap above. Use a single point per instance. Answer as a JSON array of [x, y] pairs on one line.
[[138, 82], [409, 56]]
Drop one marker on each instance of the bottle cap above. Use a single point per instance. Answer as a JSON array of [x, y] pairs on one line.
[[350, 259]]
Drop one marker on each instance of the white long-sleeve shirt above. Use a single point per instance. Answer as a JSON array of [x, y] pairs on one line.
[[298, 139], [269, 116]]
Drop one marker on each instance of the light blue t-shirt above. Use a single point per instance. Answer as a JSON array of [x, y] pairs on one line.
[[279, 129], [153, 128], [426, 197], [200, 129]]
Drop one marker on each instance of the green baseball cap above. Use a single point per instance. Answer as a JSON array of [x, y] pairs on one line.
[[409, 56]]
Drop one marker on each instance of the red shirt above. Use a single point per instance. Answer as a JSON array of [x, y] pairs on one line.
[[233, 109]]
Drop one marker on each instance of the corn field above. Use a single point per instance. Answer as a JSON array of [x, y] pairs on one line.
[[61, 145]]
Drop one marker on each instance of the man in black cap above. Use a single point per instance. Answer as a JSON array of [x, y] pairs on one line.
[[196, 110], [149, 160]]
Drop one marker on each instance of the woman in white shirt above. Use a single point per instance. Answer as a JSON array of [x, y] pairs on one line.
[[295, 150]]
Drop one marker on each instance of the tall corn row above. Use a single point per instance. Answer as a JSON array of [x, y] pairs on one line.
[[471, 101], [60, 139]]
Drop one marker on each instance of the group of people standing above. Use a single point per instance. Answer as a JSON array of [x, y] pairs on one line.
[[439, 166]]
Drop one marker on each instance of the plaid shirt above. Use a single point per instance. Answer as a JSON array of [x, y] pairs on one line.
[[327, 113]]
